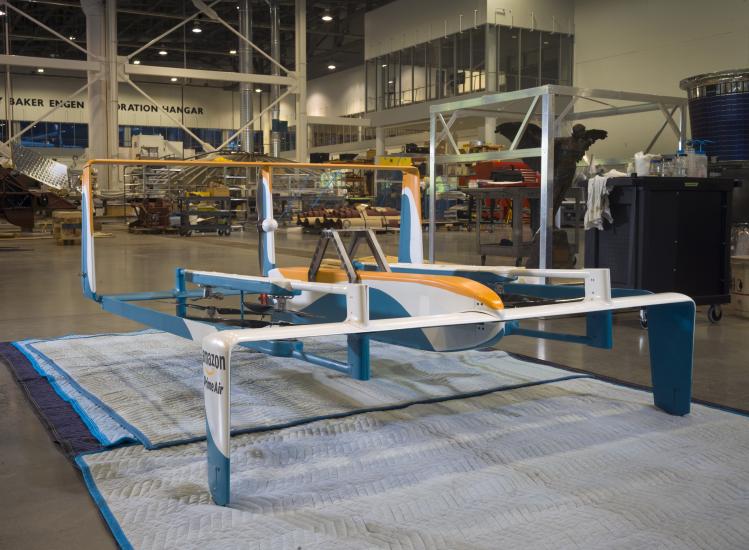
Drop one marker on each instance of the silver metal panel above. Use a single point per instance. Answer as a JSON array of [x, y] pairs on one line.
[[45, 170], [615, 111], [489, 155], [339, 121], [432, 186], [505, 97], [224, 76], [546, 229], [50, 63]]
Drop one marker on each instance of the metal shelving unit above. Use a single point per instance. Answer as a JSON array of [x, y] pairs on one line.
[[557, 106], [220, 215]]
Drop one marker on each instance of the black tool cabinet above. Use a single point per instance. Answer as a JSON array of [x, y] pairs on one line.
[[670, 234]]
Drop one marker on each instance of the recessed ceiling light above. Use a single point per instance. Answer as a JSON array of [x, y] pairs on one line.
[[232, 52], [390, 81], [136, 61], [331, 67], [71, 37], [258, 90], [40, 70], [173, 79], [327, 17], [384, 65], [2, 12], [162, 52]]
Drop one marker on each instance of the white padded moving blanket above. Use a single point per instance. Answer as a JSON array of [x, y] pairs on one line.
[[573, 464], [149, 384]]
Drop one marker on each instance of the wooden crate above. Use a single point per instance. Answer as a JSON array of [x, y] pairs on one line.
[[66, 226]]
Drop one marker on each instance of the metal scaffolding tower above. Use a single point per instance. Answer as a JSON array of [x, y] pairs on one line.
[[557, 105]]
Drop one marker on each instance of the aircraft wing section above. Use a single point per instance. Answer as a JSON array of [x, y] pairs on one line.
[[352, 327], [234, 337]]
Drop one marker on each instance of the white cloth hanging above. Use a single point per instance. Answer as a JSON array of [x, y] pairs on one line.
[[598, 200]]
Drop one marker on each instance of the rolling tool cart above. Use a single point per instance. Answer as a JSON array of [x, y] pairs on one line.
[[670, 234], [204, 214]]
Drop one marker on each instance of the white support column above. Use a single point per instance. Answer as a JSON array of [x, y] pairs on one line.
[[97, 92], [379, 141], [245, 66], [379, 151], [683, 127], [301, 75], [547, 181], [490, 57], [432, 184], [275, 89], [113, 82]]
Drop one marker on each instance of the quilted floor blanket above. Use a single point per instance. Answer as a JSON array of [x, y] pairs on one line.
[[147, 386], [571, 464]]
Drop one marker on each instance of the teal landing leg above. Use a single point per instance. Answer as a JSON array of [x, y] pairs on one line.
[[358, 356], [671, 335]]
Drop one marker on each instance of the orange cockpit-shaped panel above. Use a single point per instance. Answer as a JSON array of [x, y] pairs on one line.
[[459, 285]]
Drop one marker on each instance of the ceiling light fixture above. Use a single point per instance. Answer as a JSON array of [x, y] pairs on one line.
[[258, 90], [162, 52], [136, 61], [71, 37], [40, 70], [232, 52], [196, 28], [2, 12], [384, 65], [327, 18], [173, 79], [331, 67]]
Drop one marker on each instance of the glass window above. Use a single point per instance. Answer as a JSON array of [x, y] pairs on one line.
[[447, 75], [509, 59], [419, 73], [81, 135], [530, 58], [371, 85], [550, 58], [40, 135], [478, 59], [173, 134], [463, 62], [406, 79], [387, 81], [456, 64], [433, 69], [393, 81], [566, 42]]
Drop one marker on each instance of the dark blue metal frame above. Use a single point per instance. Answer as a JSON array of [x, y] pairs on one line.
[[357, 366]]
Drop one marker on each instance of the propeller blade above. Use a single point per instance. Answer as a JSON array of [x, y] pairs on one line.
[[258, 309]]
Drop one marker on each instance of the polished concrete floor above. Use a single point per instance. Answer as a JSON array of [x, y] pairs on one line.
[[45, 502]]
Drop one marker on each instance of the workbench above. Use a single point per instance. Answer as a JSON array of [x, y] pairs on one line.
[[517, 194]]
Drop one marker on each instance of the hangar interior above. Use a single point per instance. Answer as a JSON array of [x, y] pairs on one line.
[[374, 274]]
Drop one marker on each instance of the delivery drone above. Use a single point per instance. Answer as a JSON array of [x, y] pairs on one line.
[[435, 307]]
